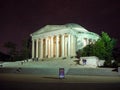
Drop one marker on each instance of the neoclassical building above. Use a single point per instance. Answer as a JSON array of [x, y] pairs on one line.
[[54, 41]]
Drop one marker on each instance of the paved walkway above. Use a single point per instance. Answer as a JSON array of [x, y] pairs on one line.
[[55, 78], [44, 76], [36, 82]]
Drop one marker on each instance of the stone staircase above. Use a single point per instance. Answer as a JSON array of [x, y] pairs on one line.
[[68, 71], [60, 58], [46, 67]]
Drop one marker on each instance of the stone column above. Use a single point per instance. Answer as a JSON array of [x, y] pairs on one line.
[[66, 53], [87, 41], [36, 48], [51, 44], [63, 45], [74, 46], [49, 48], [41, 48], [71, 45], [46, 47], [57, 46], [69, 51], [33, 47]]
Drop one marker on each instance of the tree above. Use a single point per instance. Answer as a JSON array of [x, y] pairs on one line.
[[78, 57], [116, 55], [87, 51], [11, 48], [103, 48], [26, 50], [109, 44]]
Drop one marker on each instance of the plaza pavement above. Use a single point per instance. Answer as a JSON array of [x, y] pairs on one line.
[[45, 76], [55, 78], [52, 82]]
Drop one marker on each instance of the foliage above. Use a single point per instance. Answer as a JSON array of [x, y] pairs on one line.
[[11, 49], [4, 57], [78, 54], [103, 48], [87, 51], [26, 50], [116, 54]]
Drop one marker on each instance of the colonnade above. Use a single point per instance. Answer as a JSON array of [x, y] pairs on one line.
[[54, 46], [88, 41]]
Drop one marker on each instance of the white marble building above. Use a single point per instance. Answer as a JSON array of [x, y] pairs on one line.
[[54, 41]]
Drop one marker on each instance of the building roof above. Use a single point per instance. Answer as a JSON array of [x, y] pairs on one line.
[[49, 28], [73, 25]]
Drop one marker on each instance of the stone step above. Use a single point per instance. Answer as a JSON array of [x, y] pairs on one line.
[[55, 71]]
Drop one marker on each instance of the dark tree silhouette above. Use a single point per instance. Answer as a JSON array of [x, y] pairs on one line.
[[26, 48], [11, 49]]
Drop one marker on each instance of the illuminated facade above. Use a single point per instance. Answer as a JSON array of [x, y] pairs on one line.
[[54, 41]]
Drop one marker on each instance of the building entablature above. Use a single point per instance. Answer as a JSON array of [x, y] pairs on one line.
[[54, 33]]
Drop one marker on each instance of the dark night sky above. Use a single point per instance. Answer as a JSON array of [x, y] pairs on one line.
[[19, 18]]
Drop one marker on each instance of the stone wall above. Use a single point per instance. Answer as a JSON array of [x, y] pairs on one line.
[[92, 61]]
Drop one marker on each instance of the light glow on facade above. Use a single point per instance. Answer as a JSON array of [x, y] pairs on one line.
[[54, 41]]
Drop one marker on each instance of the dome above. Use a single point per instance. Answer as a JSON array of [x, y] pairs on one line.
[[73, 25], [76, 27]]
